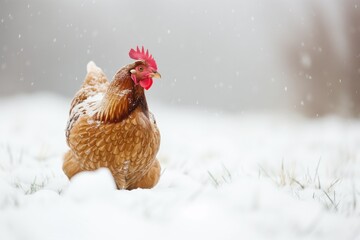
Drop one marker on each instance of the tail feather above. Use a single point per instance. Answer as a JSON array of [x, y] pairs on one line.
[[91, 66], [95, 75], [95, 82]]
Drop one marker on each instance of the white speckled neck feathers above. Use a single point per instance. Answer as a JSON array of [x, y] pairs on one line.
[[122, 97]]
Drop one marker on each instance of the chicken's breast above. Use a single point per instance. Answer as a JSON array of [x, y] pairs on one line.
[[128, 148]]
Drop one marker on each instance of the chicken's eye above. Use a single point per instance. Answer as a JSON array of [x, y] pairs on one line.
[[141, 69]]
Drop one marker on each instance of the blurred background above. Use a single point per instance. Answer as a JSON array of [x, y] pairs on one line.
[[230, 55]]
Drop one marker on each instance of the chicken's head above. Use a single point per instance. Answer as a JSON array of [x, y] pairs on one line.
[[145, 70]]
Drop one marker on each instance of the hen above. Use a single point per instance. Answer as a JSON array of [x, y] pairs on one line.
[[110, 125]]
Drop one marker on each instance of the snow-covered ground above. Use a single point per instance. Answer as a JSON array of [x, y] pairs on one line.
[[248, 176]]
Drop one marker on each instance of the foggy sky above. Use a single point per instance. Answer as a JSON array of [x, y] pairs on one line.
[[212, 54]]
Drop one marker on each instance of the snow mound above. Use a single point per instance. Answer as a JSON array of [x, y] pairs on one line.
[[87, 185]]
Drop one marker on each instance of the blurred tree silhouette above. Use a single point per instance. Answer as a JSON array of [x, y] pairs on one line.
[[326, 76], [352, 31]]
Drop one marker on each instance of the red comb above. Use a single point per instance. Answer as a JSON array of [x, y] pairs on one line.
[[142, 55]]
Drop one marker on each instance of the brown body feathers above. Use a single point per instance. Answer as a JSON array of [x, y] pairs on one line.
[[110, 126]]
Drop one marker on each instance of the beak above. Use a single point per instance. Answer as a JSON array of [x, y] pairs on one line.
[[155, 75]]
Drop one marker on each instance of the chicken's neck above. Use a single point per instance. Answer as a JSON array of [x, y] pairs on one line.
[[121, 98]]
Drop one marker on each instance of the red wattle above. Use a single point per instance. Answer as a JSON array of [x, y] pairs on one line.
[[133, 77], [146, 83]]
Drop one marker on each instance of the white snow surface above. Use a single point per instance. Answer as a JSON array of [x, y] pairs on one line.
[[224, 176]]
